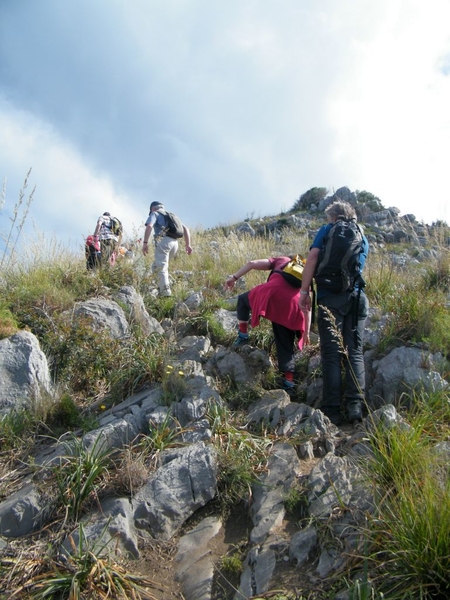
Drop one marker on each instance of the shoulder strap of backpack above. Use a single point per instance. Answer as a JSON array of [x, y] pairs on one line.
[[280, 270]]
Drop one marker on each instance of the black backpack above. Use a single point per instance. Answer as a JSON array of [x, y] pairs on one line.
[[116, 226], [338, 267], [174, 226]]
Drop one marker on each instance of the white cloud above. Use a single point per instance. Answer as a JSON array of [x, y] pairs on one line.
[[392, 125], [69, 194]]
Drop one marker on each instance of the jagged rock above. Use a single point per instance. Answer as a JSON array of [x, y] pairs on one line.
[[109, 531], [260, 565], [268, 409], [335, 482], [267, 510], [385, 417], [105, 315], [194, 301], [403, 370], [302, 544], [22, 512], [399, 235], [193, 375], [116, 434], [243, 367], [193, 347], [195, 569], [374, 327], [227, 319], [245, 229], [138, 313], [330, 560], [344, 193], [314, 392], [186, 481], [24, 372]]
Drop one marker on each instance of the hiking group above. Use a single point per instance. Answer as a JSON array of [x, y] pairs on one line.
[[103, 247], [331, 274]]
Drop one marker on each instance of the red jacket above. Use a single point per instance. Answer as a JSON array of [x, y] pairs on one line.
[[277, 300]]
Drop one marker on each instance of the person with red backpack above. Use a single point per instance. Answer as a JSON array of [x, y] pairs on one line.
[[278, 301], [167, 230], [336, 259]]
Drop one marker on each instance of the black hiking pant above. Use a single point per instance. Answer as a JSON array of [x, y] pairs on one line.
[[340, 321], [284, 338]]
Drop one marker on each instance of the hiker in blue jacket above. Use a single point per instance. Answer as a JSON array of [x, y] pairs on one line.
[[166, 247], [341, 317]]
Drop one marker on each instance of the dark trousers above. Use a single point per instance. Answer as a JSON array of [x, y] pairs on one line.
[[340, 321], [92, 257], [284, 337]]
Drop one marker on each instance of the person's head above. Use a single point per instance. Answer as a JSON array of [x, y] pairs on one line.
[[106, 214], [155, 206], [339, 209]]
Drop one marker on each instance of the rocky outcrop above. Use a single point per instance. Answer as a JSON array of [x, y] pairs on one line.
[[404, 370], [103, 314], [24, 373]]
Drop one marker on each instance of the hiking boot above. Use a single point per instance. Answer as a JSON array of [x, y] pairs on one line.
[[286, 385], [289, 387], [241, 340], [354, 412], [333, 413]]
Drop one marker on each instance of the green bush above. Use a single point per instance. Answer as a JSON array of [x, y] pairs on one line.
[[312, 196]]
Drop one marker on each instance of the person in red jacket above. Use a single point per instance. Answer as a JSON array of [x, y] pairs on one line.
[[279, 302]]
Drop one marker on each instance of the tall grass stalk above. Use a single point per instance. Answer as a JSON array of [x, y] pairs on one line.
[[18, 220]]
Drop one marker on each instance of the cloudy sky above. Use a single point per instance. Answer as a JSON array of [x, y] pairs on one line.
[[221, 110]]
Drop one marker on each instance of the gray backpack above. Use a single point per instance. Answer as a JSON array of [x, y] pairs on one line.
[[174, 226]]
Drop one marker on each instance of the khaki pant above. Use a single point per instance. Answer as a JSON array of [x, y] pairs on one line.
[[165, 249]]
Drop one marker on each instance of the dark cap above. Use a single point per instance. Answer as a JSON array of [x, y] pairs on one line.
[[106, 214], [153, 204]]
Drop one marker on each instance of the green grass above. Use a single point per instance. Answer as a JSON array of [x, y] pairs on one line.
[[163, 435], [16, 427], [80, 474], [242, 457], [410, 542]]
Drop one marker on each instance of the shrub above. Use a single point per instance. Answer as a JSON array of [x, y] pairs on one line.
[[371, 201], [312, 196]]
